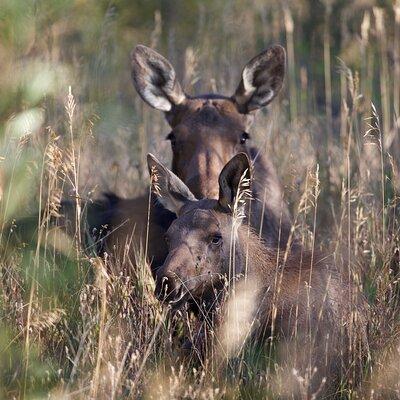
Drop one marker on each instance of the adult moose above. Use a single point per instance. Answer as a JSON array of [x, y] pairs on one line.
[[206, 131], [302, 298]]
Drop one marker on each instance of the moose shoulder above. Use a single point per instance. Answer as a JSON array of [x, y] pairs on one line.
[[302, 298]]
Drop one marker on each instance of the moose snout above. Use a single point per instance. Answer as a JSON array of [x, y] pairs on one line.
[[168, 284], [172, 277], [203, 171]]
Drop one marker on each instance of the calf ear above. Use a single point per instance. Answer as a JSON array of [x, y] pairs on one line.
[[233, 180], [171, 192], [262, 79], [154, 79]]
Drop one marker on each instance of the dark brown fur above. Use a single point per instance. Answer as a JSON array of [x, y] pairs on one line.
[[207, 131], [301, 297]]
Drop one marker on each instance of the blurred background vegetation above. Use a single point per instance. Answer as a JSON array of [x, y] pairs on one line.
[[48, 46], [72, 125]]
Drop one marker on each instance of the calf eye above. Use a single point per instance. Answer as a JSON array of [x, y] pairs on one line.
[[166, 238], [244, 136], [171, 138], [216, 239]]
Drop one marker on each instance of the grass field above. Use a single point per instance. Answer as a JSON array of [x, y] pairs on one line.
[[72, 127]]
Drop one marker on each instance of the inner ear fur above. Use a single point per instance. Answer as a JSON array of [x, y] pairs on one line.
[[236, 172], [171, 192], [155, 79], [262, 79]]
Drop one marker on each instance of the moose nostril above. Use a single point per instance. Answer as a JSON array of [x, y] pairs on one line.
[[164, 287]]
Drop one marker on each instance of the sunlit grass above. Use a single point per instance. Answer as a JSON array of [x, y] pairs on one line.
[[73, 325]]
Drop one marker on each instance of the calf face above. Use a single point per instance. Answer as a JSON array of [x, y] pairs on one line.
[[201, 239]]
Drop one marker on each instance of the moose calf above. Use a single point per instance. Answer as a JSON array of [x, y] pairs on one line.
[[300, 297]]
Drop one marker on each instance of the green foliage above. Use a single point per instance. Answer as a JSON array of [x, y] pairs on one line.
[[29, 379]]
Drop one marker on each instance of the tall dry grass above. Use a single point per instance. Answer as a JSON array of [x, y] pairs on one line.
[[77, 326]]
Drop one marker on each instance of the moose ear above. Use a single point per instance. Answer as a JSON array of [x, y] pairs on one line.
[[262, 79], [154, 79], [171, 192], [234, 177]]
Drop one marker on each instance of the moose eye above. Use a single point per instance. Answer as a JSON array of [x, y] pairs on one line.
[[244, 136], [171, 138], [216, 239], [166, 238]]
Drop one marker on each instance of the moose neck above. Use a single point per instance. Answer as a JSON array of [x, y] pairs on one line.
[[258, 260]]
